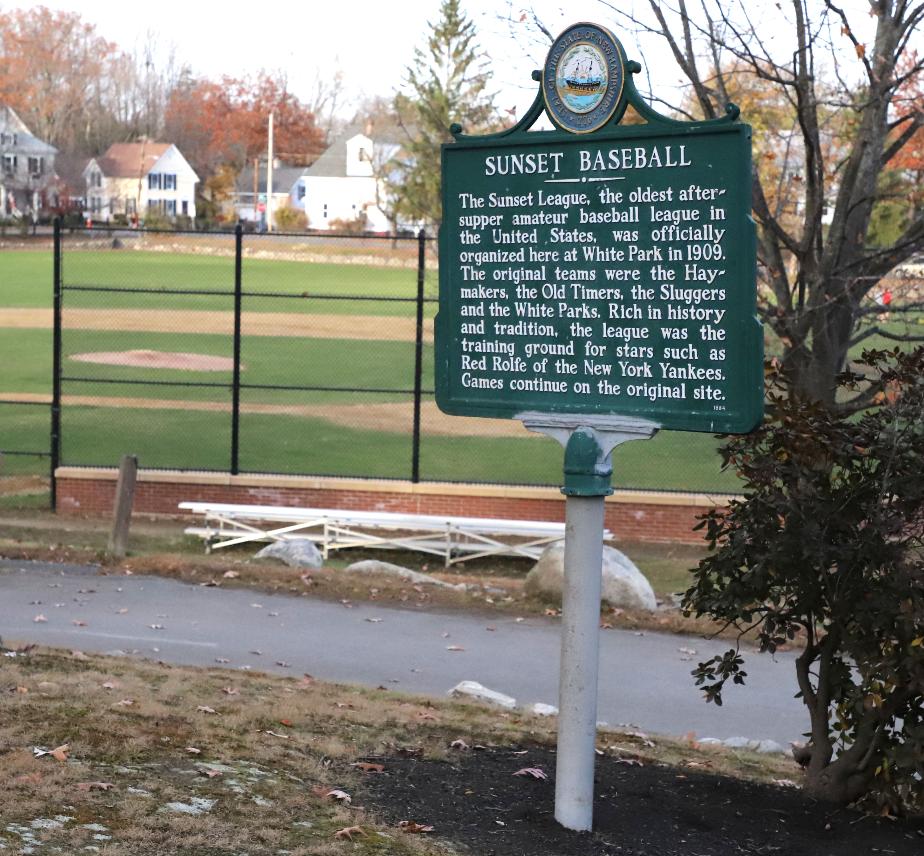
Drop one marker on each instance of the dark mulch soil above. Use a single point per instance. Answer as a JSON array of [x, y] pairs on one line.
[[478, 806]]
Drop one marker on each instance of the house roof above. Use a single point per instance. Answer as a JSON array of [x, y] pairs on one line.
[[284, 177], [131, 160], [27, 141], [333, 162]]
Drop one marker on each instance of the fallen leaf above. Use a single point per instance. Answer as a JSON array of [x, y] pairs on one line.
[[374, 620], [125, 702], [454, 648], [346, 705], [368, 767], [79, 655], [121, 611], [257, 605], [426, 715], [95, 786], [690, 651], [210, 774], [210, 584], [222, 660], [204, 708], [283, 664], [156, 626], [39, 619], [230, 575], [347, 833], [110, 685], [192, 750], [412, 826], [231, 691], [533, 772], [60, 753], [340, 796], [78, 623], [21, 690], [630, 762], [459, 744], [286, 722], [554, 613]]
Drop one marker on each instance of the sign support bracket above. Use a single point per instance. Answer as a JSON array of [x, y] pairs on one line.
[[588, 442]]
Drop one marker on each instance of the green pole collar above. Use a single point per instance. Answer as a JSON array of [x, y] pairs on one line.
[[587, 467]]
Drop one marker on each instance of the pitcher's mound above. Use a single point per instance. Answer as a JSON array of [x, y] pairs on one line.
[[159, 360]]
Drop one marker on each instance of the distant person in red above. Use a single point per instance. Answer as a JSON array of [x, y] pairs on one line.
[[884, 299]]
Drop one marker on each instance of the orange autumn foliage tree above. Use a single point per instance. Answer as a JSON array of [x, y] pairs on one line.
[[53, 73], [225, 122]]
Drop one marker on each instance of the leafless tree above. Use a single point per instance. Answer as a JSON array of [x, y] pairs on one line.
[[853, 87]]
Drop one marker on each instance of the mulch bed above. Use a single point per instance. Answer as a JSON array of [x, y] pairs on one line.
[[476, 804]]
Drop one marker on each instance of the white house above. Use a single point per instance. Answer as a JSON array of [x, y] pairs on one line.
[[27, 169], [341, 185], [132, 179]]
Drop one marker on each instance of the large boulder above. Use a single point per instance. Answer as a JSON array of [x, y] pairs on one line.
[[624, 585], [295, 552]]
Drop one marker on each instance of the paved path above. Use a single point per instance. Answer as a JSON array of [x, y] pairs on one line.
[[644, 678]]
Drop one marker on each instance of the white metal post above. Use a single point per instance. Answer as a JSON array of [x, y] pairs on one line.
[[269, 176], [580, 654]]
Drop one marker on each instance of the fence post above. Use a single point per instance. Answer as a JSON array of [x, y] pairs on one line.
[[236, 377], [55, 439], [122, 506], [418, 355]]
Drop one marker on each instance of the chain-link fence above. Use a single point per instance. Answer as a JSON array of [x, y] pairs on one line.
[[272, 353]]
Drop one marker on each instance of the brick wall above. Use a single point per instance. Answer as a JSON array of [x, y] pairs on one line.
[[631, 516]]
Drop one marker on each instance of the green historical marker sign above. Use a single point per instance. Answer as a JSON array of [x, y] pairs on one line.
[[600, 268]]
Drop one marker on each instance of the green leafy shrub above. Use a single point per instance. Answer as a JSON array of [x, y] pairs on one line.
[[824, 553]]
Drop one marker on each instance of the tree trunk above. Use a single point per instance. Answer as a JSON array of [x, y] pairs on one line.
[[840, 781]]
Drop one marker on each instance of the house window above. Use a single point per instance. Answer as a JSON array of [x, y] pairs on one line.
[[170, 207], [130, 206], [96, 179], [36, 167], [185, 207], [325, 210], [113, 205], [9, 164], [154, 205], [96, 204], [169, 181], [8, 139], [154, 181], [300, 193]]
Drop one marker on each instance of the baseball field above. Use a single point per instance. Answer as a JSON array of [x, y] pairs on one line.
[[148, 370]]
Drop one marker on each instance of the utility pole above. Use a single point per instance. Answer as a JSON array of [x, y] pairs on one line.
[[269, 177], [256, 191]]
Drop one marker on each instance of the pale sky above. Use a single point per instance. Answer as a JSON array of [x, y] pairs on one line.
[[371, 41]]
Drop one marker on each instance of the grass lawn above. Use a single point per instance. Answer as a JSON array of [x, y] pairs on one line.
[[26, 278], [287, 444], [160, 759], [269, 443]]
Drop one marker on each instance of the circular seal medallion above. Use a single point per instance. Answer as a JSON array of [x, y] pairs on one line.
[[583, 78]]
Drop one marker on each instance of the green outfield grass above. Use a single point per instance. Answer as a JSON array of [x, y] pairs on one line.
[[174, 438], [285, 444], [26, 281], [26, 359]]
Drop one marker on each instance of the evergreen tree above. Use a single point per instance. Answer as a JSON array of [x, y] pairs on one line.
[[446, 83]]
